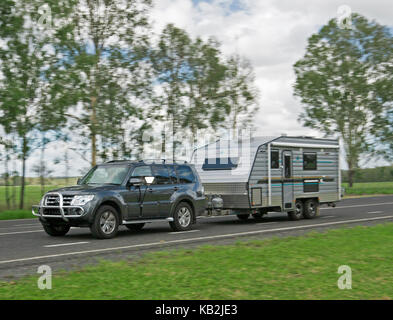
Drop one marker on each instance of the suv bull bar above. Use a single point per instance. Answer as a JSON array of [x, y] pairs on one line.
[[38, 211]]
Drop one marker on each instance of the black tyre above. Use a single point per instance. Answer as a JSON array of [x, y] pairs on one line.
[[243, 217], [183, 217], [106, 223], [311, 209], [135, 227], [258, 216], [298, 213], [56, 231]]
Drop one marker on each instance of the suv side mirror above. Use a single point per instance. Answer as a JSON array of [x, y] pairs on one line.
[[79, 181], [136, 182], [149, 180]]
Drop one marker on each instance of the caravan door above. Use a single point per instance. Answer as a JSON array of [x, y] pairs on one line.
[[287, 180]]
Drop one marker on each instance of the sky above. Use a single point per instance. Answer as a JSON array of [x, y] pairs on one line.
[[272, 34]]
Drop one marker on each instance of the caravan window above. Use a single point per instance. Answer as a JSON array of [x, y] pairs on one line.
[[274, 159], [309, 161], [220, 163]]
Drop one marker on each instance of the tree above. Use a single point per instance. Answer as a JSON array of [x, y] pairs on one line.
[[101, 80], [24, 58], [194, 81], [241, 94], [336, 81]]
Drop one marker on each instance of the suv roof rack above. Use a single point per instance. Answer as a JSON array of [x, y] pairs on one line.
[[114, 161], [162, 161]]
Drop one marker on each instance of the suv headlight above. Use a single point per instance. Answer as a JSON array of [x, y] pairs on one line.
[[81, 200]]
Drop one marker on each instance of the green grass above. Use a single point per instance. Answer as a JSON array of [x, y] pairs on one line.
[[32, 196], [16, 214], [367, 188], [302, 267]]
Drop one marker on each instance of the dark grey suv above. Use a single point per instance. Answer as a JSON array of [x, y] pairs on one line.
[[125, 193]]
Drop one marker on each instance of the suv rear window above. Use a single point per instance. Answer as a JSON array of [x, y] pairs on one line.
[[161, 174], [185, 174]]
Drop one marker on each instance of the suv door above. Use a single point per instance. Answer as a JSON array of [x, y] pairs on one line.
[[164, 187], [143, 193]]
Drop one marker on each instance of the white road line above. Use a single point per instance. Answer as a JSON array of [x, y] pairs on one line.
[[221, 236], [25, 225], [18, 232], [181, 232], [375, 212], [359, 205], [19, 228], [64, 244], [19, 220]]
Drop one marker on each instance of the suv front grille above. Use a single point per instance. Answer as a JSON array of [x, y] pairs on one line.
[[67, 200], [54, 200], [52, 212]]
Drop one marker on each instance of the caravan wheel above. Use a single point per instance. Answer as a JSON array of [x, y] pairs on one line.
[[299, 211], [258, 216], [243, 217], [311, 209]]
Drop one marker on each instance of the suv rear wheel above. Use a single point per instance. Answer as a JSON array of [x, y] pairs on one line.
[[183, 217], [56, 231], [106, 223]]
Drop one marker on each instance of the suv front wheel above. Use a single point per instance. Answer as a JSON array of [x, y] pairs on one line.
[[183, 217], [106, 223], [56, 230]]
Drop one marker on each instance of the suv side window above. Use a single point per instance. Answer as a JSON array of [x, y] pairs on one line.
[[142, 171], [173, 174], [161, 174], [185, 174]]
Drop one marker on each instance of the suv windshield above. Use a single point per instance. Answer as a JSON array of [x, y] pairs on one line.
[[106, 175]]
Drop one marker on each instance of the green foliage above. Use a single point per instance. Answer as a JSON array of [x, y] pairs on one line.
[[342, 80], [24, 57], [201, 89], [100, 79]]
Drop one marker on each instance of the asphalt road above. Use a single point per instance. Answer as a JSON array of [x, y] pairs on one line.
[[24, 245]]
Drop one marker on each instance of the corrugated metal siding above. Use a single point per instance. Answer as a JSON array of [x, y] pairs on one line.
[[231, 184], [224, 148], [327, 166]]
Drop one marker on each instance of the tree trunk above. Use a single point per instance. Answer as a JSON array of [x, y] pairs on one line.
[[14, 178], [93, 127], [350, 177], [42, 169], [22, 189], [6, 181]]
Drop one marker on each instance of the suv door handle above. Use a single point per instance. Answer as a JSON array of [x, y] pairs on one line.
[[150, 189], [176, 188]]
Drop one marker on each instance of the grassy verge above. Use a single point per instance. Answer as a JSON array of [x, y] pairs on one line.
[[281, 268], [369, 188], [16, 214], [32, 196]]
